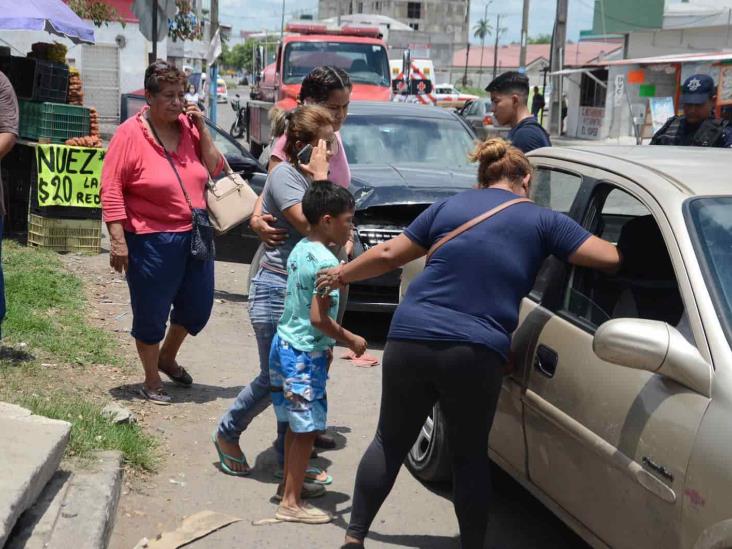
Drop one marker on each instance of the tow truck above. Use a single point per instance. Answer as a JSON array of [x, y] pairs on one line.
[[360, 51]]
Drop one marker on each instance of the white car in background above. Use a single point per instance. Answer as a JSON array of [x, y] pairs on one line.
[[447, 95], [222, 94]]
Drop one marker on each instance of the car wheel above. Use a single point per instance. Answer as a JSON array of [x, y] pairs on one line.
[[429, 458]]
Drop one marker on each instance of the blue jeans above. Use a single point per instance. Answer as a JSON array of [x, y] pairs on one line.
[[266, 303]]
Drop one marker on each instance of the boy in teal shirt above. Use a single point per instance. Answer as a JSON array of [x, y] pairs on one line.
[[306, 334]]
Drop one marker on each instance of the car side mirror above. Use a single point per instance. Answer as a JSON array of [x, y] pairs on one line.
[[656, 347]]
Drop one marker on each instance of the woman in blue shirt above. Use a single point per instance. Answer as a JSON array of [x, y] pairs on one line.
[[450, 337]]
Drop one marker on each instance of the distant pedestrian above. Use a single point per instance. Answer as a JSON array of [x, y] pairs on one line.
[[303, 347], [154, 178], [697, 127], [509, 102], [451, 334], [8, 135], [537, 102]]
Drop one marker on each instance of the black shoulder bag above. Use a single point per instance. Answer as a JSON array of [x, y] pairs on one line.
[[202, 235]]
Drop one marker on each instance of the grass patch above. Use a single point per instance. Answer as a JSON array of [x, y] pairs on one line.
[[46, 308], [91, 431], [46, 312]]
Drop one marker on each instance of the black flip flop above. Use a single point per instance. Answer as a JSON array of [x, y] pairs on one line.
[[181, 378]]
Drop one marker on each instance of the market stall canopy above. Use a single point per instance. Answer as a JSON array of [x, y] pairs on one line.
[[700, 57], [143, 10], [45, 15]]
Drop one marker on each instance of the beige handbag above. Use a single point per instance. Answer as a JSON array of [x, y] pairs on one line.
[[230, 200]]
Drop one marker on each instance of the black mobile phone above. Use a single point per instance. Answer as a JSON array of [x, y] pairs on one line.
[[303, 157]]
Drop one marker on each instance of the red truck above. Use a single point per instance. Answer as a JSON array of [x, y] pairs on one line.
[[359, 51]]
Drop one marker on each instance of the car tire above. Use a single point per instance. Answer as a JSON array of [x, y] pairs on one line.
[[429, 458]]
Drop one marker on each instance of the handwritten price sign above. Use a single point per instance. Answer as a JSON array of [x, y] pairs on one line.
[[69, 176]]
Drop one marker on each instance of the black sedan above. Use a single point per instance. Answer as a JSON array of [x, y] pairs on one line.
[[403, 158]]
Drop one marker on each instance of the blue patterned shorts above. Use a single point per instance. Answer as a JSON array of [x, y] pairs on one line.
[[297, 381]]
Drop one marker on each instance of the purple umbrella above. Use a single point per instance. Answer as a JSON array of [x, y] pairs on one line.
[[45, 15]]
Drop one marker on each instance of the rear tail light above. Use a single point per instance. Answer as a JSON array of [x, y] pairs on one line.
[[487, 120]]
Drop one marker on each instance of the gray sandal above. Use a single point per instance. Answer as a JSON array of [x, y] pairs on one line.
[[156, 396]]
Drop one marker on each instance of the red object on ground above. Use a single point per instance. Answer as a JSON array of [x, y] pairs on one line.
[[364, 361]]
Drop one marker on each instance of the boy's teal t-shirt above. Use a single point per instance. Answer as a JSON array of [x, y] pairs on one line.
[[303, 265]]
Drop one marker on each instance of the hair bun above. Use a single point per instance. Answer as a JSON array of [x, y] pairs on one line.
[[490, 151]]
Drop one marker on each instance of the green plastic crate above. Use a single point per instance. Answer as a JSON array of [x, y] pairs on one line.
[[82, 236], [56, 122]]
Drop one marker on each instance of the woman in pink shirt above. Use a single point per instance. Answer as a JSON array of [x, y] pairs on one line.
[[328, 87], [148, 210]]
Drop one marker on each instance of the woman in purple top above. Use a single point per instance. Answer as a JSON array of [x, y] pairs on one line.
[[450, 336]]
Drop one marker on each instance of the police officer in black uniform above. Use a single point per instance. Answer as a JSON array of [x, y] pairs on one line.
[[698, 127]]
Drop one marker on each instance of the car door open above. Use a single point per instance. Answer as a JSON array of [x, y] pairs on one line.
[[610, 444]]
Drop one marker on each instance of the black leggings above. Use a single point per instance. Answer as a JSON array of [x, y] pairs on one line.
[[466, 380]]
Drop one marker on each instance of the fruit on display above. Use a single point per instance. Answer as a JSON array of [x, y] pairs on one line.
[[94, 121], [93, 141], [76, 90]]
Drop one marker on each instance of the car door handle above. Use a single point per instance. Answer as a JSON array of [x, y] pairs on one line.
[[546, 360]]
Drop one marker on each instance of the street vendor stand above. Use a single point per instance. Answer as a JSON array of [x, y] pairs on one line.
[[52, 176]]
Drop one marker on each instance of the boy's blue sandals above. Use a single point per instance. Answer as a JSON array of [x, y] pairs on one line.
[[223, 458]]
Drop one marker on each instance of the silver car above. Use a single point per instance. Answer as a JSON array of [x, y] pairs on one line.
[[617, 410]]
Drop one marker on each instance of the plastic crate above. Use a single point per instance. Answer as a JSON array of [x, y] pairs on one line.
[[53, 121], [83, 236], [38, 79]]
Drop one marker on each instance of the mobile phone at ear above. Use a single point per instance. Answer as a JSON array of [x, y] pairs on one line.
[[305, 153]]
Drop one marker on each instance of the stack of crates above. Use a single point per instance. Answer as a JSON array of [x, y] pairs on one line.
[[55, 122], [42, 89], [81, 236]]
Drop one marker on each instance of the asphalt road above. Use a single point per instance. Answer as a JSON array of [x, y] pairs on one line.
[[224, 357]]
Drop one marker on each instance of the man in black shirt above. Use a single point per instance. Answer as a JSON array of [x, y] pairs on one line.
[[537, 102], [509, 102]]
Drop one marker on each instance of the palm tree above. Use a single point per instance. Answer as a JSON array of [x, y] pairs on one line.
[[481, 30]]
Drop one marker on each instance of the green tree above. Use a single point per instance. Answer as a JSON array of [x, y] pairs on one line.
[[482, 29], [240, 56], [541, 39], [97, 11]]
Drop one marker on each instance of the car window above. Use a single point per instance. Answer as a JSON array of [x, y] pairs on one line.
[[473, 108], [555, 189], [364, 63], [223, 143], [711, 222], [377, 139], [646, 286]]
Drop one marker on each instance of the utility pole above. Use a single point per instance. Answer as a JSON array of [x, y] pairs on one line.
[[154, 54], [497, 30], [524, 36], [214, 70], [282, 22], [467, 50], [482, 44], [559, 39]]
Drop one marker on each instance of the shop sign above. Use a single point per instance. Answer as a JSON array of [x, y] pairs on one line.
[[590, 122], [619, 90], [69, 176]]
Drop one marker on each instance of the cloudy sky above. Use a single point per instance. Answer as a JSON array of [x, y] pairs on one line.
[[266, 14]]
